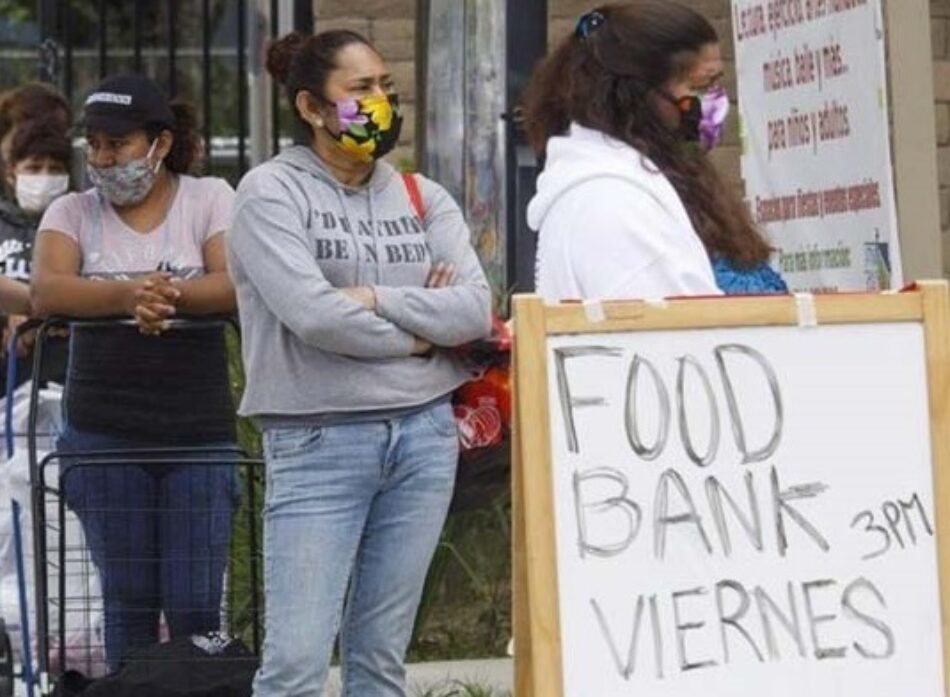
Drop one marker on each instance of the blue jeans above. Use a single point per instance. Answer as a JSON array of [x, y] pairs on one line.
[[352, 516], [158, 534]]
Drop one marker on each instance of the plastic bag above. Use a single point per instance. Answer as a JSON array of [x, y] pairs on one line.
[[483, 406], [83, 629]]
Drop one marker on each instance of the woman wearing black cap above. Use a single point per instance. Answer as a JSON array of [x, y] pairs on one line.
[[144, 243]]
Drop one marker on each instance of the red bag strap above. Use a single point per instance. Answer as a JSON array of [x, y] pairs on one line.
[[415, 195]]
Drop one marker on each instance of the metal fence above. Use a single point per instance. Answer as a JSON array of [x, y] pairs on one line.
[[474, 58], [208, 52]]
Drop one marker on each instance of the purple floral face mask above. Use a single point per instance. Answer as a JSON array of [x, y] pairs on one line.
[[715, 109], [702, 118]]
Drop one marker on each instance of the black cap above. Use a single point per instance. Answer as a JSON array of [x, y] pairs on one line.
[[125, 103]]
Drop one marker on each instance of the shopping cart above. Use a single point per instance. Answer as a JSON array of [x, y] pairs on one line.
[[8, 670], [68, 602], [16, 666]]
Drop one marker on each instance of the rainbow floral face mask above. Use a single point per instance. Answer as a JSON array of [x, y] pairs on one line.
[[369, 127]]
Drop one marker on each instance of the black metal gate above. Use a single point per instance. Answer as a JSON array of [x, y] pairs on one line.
[[526, 43], [205, 51]]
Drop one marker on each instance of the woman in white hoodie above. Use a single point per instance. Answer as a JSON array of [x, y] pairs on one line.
[[628, 205]]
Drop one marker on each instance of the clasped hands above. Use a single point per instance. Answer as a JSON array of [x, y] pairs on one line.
[[152, 301]]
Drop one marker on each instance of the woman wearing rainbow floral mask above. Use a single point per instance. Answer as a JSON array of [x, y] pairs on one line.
[[629, 205], [353, 283]]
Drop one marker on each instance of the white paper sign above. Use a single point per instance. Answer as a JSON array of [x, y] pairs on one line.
[[816, 152], [745, 512]]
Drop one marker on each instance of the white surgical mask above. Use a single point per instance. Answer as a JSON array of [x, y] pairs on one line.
[[34, 192]]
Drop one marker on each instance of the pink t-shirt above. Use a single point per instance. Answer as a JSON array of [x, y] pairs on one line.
[[111, 249]]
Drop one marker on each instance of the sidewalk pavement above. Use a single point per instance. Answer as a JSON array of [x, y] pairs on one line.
[[496, 673]]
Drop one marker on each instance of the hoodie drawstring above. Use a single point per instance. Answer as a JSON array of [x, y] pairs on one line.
[[372, 226], [351, 229]]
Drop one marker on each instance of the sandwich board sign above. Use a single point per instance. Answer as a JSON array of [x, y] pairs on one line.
[[733, 497]]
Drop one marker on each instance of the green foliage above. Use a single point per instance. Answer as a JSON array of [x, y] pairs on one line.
[[466, 606], [246, 572], [17, 11], [457, 688]]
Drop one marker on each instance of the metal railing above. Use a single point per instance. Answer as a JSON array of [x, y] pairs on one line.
[[47, 495], [220, 70]]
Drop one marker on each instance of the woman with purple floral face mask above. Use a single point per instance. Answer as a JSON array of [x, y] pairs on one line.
[[624, 113]]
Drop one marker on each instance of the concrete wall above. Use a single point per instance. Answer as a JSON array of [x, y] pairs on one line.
[[391, 25], [940, 34]]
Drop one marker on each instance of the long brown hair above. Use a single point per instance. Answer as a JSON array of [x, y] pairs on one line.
[[605, 77], [33, 100], [187, 143], [42, 137], [28, 102]]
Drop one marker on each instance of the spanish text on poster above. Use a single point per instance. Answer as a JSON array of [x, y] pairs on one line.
[[816, 153]]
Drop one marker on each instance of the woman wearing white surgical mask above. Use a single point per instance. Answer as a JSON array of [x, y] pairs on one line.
[[146, 242], [34, 192], [36, 174], [37, 183]]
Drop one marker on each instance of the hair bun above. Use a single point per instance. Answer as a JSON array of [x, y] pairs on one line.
[[280, 55]]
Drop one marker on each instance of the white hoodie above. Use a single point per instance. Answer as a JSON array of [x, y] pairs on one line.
[[611, 226]]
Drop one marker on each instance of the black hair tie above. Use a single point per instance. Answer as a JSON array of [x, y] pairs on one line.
[[588, 23]]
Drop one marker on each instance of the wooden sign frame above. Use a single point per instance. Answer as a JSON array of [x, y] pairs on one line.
[[538, 669]]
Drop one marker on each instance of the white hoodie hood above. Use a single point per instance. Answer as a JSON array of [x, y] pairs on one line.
[[611, 225], [585, 155]]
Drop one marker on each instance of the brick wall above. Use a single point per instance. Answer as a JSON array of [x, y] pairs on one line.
[[391, 25]]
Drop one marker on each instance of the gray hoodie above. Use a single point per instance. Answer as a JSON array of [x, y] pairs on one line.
[[297, 237]]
